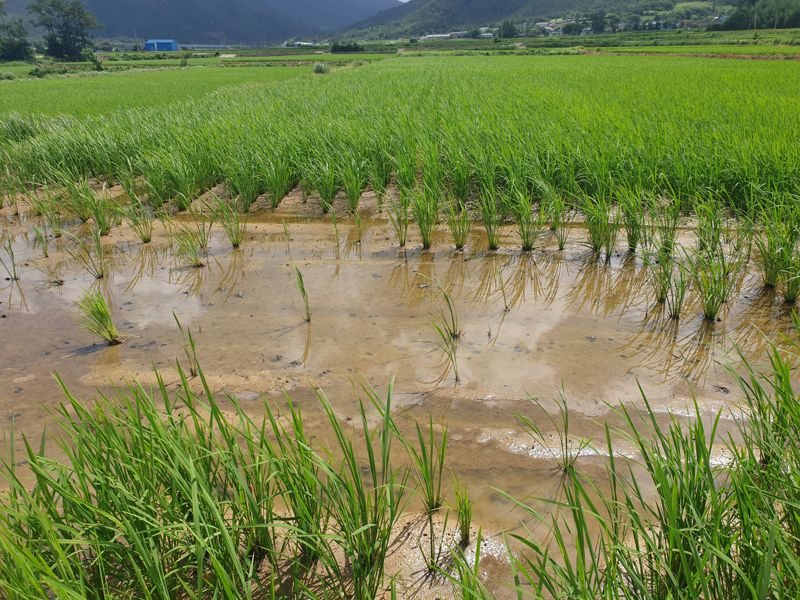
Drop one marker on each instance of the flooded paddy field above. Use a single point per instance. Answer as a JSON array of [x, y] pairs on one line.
[[319, 338], [535, 326]]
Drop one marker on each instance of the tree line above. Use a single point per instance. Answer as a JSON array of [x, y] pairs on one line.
[[66, 24]]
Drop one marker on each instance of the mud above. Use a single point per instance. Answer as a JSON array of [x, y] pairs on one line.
[[535, 326]]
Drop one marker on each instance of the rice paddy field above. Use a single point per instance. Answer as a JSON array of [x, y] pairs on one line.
[[428, 327]]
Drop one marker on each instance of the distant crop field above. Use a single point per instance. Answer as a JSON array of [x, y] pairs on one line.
[[711, 49], [106, 92]]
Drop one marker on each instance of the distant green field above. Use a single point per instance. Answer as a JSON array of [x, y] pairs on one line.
[[266, 60], [106, 92], [722, 49]]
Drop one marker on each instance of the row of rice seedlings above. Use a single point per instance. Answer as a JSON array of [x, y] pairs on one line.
[[602, 226], [95, 315]]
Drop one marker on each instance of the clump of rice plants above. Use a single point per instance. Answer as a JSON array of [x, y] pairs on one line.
[[301, 287], [491, 215], [602, 226], [90, 254], [324, 181], [713, 275], [633, 216], [96, 317], [425, 207], [280, 179], [354, 178], [140, 218], [191, 240], [777, 241], [676, 295], [233, 223], [463, 514], [661, 232], [87, 205], [528, 224], [459, 223], [399, 216], [379, 169], [365, 513]]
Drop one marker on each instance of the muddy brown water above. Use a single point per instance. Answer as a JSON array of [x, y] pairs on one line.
[[534, 326]]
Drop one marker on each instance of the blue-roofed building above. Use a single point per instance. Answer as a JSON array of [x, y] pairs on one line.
[[161, 46]]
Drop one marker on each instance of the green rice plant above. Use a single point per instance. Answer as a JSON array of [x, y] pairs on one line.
[[354, 178], [379, 168], [459, 223], [661, 232], [9, 264], [464, 515], [85, 204], [189, 245], [406, 170], [447, 326], [676, 295], [303, 294], [189, 347], [790, 278], [660, 269], [633, 216], [246, 174], [53, 216], [233, 223], [325, 183], [713, 275], [425, 207], [776, 242], [399, 215], [560, 220], [491, 216], [466, 577], [140, 219], [80, 199], [428, 464], [90, 254], [279, 178], [459, 175], [96, 317], [300, 479], [528, 224], [711, 213], [601, 226], [365, 509]]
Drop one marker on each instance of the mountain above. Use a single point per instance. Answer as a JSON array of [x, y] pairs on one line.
[[223, 21], [330, 15], [436, 16], [419, 17]]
